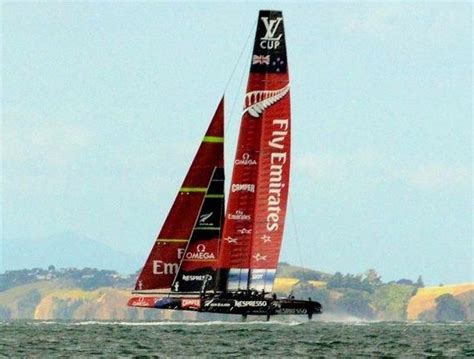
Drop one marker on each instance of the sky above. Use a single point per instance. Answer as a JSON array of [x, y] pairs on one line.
[[104, 105]]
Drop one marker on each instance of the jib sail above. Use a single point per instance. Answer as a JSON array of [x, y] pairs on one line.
[[258, 195], [198, 267], [164, 260]]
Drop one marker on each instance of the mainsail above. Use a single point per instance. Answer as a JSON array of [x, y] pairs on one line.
[[196, 212], [258, 195]]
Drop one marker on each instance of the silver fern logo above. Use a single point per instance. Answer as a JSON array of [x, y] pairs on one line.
[[204, 217], [257, 101]]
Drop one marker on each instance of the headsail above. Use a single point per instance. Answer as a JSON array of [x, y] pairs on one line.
[[165, 257], [198, 266], [258, 196]]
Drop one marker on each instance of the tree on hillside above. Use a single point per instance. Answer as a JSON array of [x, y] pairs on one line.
[[372, 277], [336, 281], [390, 301], [355, 303], [306, 275], [419, 282], [448, 308], [367, 282], [404, 281]]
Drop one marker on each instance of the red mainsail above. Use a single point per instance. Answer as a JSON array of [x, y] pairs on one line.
[[255, 216], [166, 256]]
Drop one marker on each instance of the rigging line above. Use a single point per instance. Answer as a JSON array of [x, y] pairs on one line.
[[240, 56], [231, 116], [295, 230], [235, 102], [236, 96]]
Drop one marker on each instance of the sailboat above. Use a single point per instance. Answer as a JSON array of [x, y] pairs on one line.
[[208, 258]]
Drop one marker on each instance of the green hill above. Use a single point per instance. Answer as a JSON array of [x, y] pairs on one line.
[[90, 294]]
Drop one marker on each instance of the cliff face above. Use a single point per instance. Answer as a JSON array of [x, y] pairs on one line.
[[50, 301], [20, 302], [99, 304], [423, 304]]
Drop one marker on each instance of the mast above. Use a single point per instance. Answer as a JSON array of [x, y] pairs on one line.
[[256, 210], [161, 267]]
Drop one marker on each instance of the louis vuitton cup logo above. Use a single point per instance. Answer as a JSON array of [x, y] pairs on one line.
[[271, 40]]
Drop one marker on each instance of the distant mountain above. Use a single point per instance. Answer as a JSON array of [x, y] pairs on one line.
[[67, 250]]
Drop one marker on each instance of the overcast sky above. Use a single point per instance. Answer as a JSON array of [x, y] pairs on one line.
[[104, 105]]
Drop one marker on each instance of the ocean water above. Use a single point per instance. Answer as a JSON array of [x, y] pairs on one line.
[[235, 339]]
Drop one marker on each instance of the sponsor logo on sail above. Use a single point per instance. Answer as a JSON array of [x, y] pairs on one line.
[[203, 219], [194, 277], [270, 41], [278, 158], [199, 254], [257, 276], [239, 215], [245, 160], [257, 101], [243, 187], [160, 267]]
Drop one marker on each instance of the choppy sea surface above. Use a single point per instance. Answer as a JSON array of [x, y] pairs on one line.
[[235, 339]]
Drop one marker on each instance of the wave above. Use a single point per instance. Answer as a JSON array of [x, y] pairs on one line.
[[165, 323], [177, 323]]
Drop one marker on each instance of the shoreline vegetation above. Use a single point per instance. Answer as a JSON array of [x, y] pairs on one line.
[[92, 294]]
